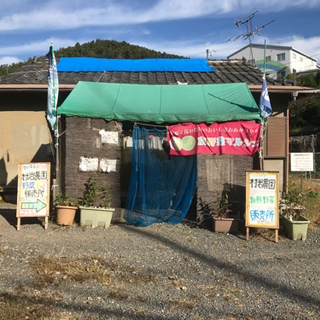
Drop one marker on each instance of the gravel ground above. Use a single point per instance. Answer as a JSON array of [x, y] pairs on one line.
[[161, 272]]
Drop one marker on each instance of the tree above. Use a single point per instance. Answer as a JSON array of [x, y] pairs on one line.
[[305, 112], [108, 49]]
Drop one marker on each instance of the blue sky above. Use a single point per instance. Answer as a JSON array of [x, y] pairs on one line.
[[182, 27]]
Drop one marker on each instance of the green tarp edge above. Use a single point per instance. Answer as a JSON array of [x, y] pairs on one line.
[[161, 103]]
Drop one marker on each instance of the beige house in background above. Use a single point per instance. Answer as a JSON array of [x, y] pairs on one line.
[[24, 133]]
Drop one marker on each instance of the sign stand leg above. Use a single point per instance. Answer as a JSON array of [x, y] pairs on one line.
[[18, 223], [247, 232], [46, 223], [277, 233]]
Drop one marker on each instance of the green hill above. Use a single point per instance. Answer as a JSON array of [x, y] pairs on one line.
[[111, 49], [108, 49]]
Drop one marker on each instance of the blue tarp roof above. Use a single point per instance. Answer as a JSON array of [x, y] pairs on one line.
[[95, 64]]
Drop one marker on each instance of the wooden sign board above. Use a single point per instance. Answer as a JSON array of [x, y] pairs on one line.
[[33, 191], [262, 200]]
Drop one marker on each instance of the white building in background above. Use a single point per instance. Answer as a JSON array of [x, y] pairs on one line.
[[280, 60]]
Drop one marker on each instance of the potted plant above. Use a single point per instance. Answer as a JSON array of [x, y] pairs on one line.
[[220, 214], [95, 210], [294, 225], [222, 220], [66, 208]]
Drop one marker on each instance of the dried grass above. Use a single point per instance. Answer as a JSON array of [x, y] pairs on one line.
[[13, 307], [181, 304], [312, 204], [80, 270], [118, 294]]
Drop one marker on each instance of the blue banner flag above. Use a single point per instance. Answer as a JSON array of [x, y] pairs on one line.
[[53, 85], [264, 103]]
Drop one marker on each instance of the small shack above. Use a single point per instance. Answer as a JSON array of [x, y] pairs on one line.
[[23, 103], [94, 110]]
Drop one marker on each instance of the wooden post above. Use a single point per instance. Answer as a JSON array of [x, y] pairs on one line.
[[54, 191], [46, 223], [247, 232], [18, 223], [277, 235]]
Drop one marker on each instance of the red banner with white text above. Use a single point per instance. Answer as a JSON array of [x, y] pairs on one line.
[[235, 137]]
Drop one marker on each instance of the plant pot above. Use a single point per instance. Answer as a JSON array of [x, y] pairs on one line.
[[65, 215], [229, 225], [96, 217], [295, 230]]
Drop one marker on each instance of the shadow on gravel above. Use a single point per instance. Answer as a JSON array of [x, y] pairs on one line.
[[10, 216], [74, 307], [269, 284]]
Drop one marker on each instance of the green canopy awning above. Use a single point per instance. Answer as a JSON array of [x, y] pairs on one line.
[[161, 103]]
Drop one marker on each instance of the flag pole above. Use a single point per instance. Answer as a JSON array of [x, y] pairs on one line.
[[264, 65], [263, 123], [56, 127]]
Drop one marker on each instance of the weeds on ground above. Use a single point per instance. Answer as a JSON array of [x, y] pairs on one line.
[[118, 294], [13, 307], [90, 269], [80, 270], [3, 251], [261, 234], [181, 304], [53, 271]]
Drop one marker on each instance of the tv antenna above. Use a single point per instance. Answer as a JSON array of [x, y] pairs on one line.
[[208, 51], [251, 29]]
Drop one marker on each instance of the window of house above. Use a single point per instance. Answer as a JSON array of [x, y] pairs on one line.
[[301, 59], [294, 71], [268, 58], [281, 57], [252, 62], [294, 56]]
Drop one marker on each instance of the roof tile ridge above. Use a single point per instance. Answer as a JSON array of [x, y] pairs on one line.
[[101, 76]]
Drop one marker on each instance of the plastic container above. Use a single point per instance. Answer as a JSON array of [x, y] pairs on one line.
[[96, 217], [295, 230]]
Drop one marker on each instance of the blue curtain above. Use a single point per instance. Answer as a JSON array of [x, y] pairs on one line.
[[161, 186]]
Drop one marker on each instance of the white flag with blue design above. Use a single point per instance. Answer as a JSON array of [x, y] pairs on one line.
[[264, 103], [53, 85]]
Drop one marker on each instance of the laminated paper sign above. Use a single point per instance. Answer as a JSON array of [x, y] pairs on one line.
[[109, 137], [236, 137], [88, 164], [108, 165]]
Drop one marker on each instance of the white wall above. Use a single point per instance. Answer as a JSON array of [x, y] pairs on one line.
[[293, 59]]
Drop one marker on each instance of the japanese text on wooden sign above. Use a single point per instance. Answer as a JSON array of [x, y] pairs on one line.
[[33, 190], [262, 199]]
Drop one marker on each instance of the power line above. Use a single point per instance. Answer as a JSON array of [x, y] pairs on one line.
[[250, 30]]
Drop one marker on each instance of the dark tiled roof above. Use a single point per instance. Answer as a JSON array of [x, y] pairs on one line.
[[226, 71]]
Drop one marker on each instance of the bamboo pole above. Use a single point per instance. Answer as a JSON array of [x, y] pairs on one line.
[[56, 127]]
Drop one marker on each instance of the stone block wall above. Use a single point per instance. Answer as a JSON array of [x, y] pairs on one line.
[[82, 139]]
